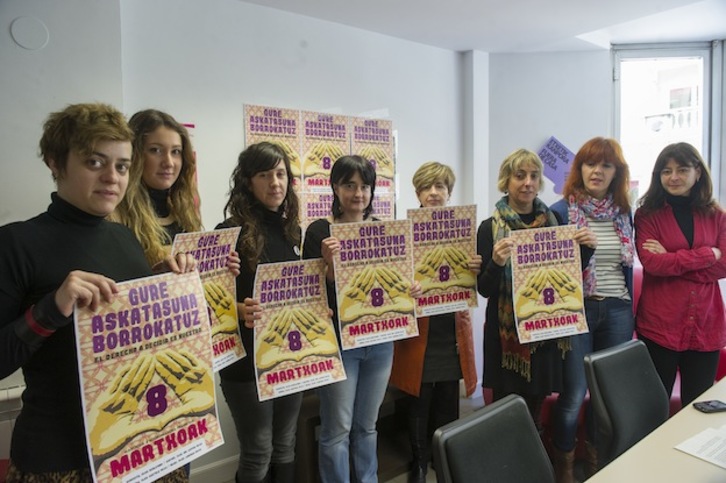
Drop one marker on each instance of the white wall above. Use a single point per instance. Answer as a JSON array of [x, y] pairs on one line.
[[535, 96], [80, 63]]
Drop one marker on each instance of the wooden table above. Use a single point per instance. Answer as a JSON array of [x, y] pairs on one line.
[[655, 459]]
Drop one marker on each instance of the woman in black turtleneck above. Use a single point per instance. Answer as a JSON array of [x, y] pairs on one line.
[[680, 235], [67, 256], [162, 198], [261, 201]]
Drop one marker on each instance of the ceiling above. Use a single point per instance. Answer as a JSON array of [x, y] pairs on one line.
[[522, 25]]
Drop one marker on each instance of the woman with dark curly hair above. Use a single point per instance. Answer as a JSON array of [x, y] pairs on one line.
[[680, 234], [261, 201]]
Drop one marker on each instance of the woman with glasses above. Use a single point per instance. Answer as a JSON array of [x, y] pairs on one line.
[[681, 238], [349, 409]]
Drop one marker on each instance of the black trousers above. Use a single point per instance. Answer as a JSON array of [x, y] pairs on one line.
[[698, 369]]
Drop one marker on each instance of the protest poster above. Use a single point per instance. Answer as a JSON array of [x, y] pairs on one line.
[[557, 160], [211, 250], [146, 377], [547, 283], [372, 139], [373, 276], [325, 138], [443, 243], [278, 126], [295, 345]]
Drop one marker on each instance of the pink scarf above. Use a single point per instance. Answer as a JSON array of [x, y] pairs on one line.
[[604, 209]]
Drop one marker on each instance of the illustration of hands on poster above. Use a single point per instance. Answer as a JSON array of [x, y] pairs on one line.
[[547, 283], [146, 378], [373, 277], [443, 244], [211, 249], [295, 344]]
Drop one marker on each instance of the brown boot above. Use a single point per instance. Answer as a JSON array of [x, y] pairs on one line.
[[590, 466], [564, 465]]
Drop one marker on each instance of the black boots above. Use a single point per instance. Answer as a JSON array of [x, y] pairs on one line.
[[418, 435]]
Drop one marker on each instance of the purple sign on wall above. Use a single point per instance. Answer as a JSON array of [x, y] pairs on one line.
[[557, 160]]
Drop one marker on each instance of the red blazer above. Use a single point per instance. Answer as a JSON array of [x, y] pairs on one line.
[[408, 356], [681, 306]]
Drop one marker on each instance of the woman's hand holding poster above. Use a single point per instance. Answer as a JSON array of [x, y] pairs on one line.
[[547, 283], [295, 344], [147, 385], [373, 276]]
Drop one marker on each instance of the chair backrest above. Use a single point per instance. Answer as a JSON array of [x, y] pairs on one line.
[[498, 443], [627, 395]]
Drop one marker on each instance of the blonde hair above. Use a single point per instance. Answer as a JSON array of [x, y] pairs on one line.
[[513, 163], [136, 210], [431, 172]]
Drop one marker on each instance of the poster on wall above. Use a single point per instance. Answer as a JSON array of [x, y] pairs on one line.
[[146, 377], [211, 250], [325, 138], [296, 348], [557, 160], [444, 240], [279, 126], [315, 205], [373, 276], [373, 140], [314, 140], [547, 284]]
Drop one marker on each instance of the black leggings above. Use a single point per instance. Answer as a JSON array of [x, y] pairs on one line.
[[698, 369], [441, 398]]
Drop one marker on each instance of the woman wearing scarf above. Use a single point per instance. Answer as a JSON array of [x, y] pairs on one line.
[[595, 195], [533, 370]]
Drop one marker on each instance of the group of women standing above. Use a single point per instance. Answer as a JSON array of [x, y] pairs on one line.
[[73, 255], [679, 235]]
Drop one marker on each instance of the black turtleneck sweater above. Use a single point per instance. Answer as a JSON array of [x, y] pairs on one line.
[[35, 258], [277, 249], [160, 202], [684, 215]]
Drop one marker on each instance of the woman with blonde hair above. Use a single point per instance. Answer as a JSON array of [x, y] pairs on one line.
[[429, 367], [162, 198], [532, 370], [596, 195]]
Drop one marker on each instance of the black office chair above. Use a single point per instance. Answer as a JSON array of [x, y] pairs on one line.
[[627, 395], [498, 443]]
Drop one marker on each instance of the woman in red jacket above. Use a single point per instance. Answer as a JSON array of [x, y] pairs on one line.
[[681, 238], [428, 367]]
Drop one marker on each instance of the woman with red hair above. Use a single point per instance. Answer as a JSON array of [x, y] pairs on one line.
[[595, 195]]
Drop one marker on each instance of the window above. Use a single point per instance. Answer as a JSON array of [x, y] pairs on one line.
[[662, 96]]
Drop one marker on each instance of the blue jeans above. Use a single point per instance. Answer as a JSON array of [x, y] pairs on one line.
[[265, 430], [611, 323], [348, 415]]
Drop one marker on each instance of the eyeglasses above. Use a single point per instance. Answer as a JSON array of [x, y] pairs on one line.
[[353, 187]]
